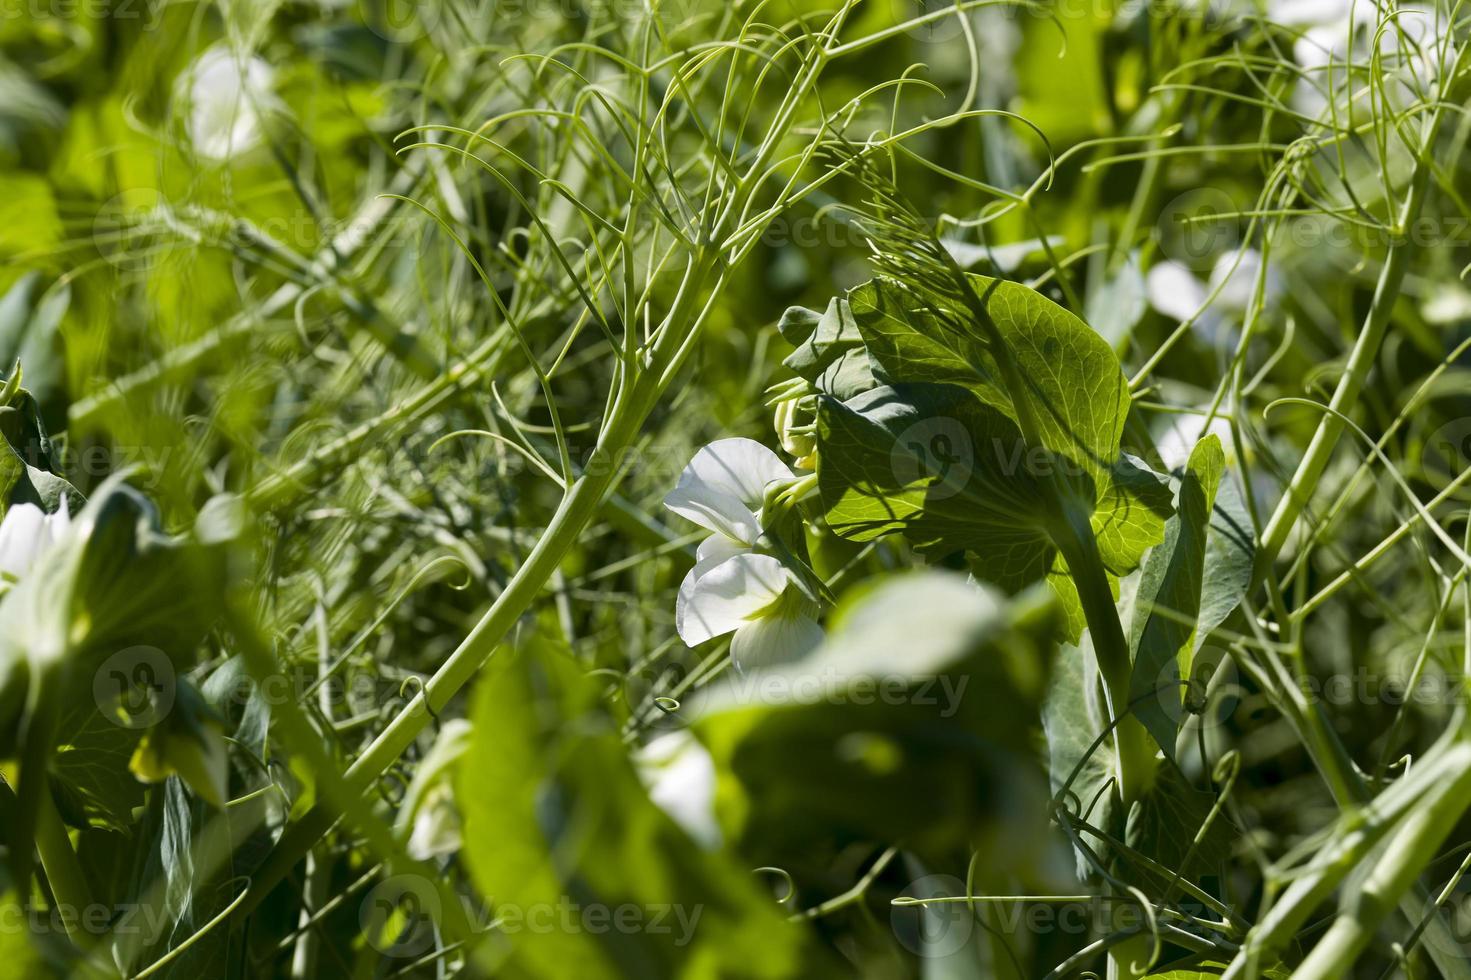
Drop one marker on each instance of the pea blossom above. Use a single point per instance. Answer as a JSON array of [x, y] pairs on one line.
[[227, 94], [27, 533], [722, 490], [679, 775], [731, 589], [1215, 308], [753, 597]]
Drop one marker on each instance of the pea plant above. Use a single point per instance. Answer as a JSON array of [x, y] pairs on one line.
[[762, 488]]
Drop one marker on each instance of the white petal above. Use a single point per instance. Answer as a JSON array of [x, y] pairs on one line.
[[740, 468], [774, 640], [57, 524], [1178, 441], [1238, 271], [715, 511], [680, 777], [715, 600], [719, 547], [226, 93], [22, 536], [436, 825], [1174, 291]]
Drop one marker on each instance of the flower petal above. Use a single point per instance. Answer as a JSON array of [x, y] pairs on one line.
[[715, 511], [740, 468], [1238, 271], [22, 536], [774, 640], [718, 597], [1174, 291], [719, 547], [680, 777]]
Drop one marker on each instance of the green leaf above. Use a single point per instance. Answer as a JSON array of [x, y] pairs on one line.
[[30, 333], [1167, 604], [953, 474], [1164, 824], [830, 351], [29, 464], [1073, 715], [555, 818], [1074, 387], [89, 772], [1230, 554], [914, 721]]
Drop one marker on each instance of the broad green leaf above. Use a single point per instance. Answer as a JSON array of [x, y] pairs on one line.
[[829, 349], [555, 816], [1167, 604], [933, 462], [1075, 389], [1164, 826], [1230, 553], [89, 772], [914, 721], [29, 464], [30, 333], [954, 475], [1073, 715]]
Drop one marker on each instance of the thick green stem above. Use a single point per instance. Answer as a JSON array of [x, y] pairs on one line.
[[59, 861], [1444, 772], [1414, 845], [1134, 748]]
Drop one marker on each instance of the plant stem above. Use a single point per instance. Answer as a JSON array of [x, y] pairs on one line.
[[1444, 772], [1413, 846], [63, 870]]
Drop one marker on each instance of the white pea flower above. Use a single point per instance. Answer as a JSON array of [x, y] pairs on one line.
[[722, 490], [27, 533], [680, 777], [754, 597], [1185, 432], [1177, 292], [1334, 30], [228, 94], [429, 819]]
